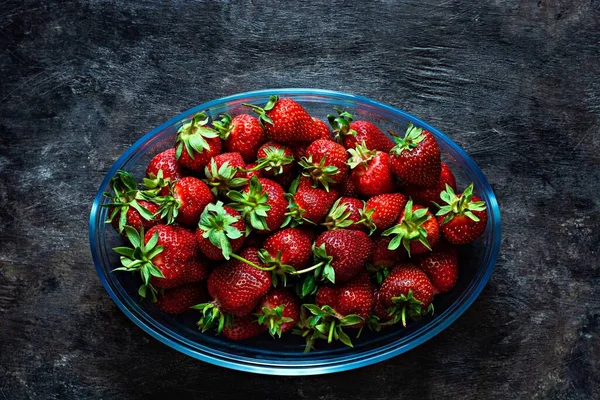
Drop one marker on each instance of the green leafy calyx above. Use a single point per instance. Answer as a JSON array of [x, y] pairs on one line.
[[222, 179], [407, 306], [192, 136], [212, 317], [253, 205], [341, 124], [219, 227], [263, 118], [273, 319], [413, 137], [320, 173], [459, 205], [410, 229], [360, 155]]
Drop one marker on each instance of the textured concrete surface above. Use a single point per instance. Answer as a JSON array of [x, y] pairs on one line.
[[515, 83]]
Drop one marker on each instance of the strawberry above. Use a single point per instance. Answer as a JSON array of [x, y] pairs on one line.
[[279, 311], [224, 172], [348, 188], [166, 257], [340, 255], [383, 211], [346, 213], [371, 171], [252, 171], [441, 267], [351, 133], [284, 120], [242, 328], [325, 163], [274, 159], [220, 231], [236, 288], [196, 143], [286, 251], [130, 204], [186, 202], [348, 305], [164, 164], [262, 204], [406, 291], [427, 196], [179, 300], [308, 204], [416, 158], [417, 230], [463, 218], [243, 134], [299, 149], [382, 258]]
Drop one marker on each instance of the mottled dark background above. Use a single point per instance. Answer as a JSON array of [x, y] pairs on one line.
[[516, 83]]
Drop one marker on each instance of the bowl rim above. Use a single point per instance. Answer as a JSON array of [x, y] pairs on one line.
[[431, 329]]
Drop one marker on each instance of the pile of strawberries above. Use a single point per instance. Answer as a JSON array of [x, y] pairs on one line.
[[274, 224]]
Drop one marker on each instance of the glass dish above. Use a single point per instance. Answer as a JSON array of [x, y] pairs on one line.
[[285, 357]]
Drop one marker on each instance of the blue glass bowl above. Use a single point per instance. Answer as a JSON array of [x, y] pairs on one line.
[[285, 357]]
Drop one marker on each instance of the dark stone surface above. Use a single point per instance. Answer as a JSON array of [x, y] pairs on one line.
[[515, 83]]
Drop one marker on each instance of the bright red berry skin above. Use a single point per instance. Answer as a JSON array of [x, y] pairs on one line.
[[295, 245], [380, 310], [213, 252], [419, 165], [433, 233], [243, 328], [441, 267], [193, 195], [290, 122], [316, 202], [462, 229], [350, 251], [324, 133], [426, 196], [135, 220], [373, 137], [201, 159], [167, 162], [353, 297], [281, 297], [245, 137], [403, 278], [382, 256], [335, 155], [179, 300], [387, 208], [348, 188], [376, 177], [179, 262], [236, 286]]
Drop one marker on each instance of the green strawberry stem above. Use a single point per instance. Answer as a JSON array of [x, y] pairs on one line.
[[360, 155], [262, 111], [407, 305], [303, 271], [222, 179], [320, 173], [192, 136], [341, 124], [459, 204], [253, 205], [274, 160], [223, 125], [413, 137], [211, 316], [410, 229], [273, 319], [280, 269], [242, 259], [219, 227]]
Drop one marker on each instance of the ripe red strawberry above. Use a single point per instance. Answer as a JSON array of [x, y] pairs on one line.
[[308, 204], [196, 143], [346, 213], [251, 171], [416, 158], [243, 134], [441, 267], [429, 196], [337, 307], [188, 198], [278, 311], [382, 258], [262, 204], [166, 257], [224, 172], [325, 163], [236, 288], [348, 188], [340, 255], [371, 171], [417, 230], [383, 211], [299, 149], [129, 205], [162, 169], [179, 300], [463, 218], [285, 120], [274, 159], [286, 251], [406, 291], [220, 231], [242, 328], [352, 133]]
